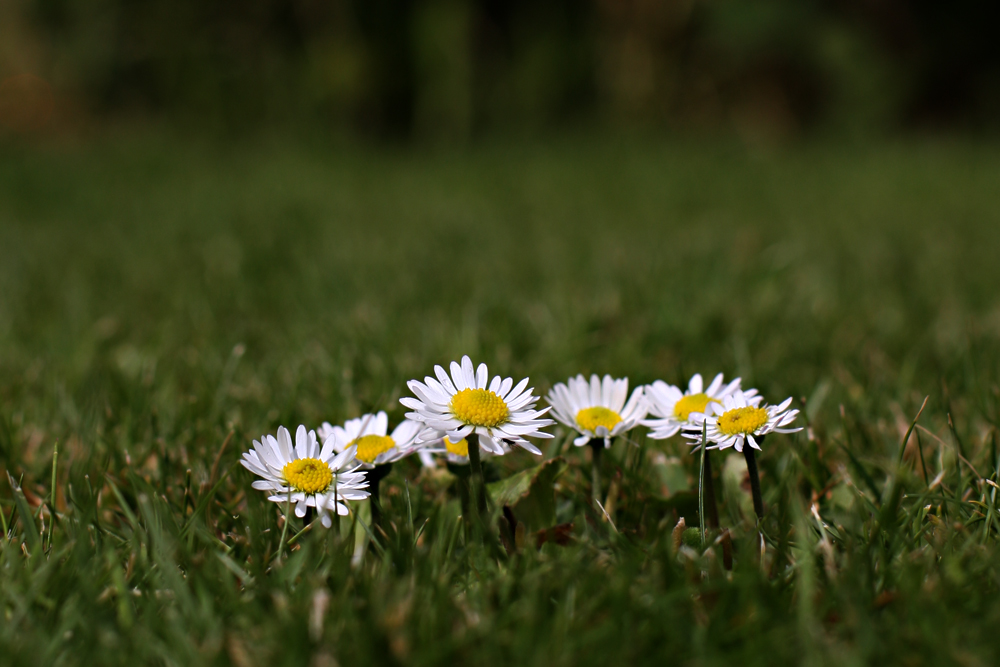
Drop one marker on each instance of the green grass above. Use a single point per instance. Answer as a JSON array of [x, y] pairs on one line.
[[134, 272]]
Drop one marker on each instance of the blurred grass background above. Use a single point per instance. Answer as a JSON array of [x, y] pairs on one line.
[[221, 217], [654, 257]]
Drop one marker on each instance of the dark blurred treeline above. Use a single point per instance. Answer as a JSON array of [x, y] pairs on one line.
[[457, 68]]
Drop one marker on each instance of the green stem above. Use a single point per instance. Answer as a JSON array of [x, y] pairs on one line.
[[701, 485], [375, 503], [596, 447], [375, 477], [463, 473], [475, 462], [284, 529], [758, 500], [483, 502], [336, 508]]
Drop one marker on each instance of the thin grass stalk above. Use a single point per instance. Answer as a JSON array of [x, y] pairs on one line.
[[305, 529], [913, 424], [711, 506], [923, 464], [990, 496], [3, 522], [993, 452], [52, 496], [379, 549], [958, 440]]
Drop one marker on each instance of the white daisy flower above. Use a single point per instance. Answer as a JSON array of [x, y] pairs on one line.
[[597, 409], [309, 475], [368, 434], [740, 420], [674, 408], [468, 402]]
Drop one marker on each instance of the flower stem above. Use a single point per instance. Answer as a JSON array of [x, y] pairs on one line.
[[284, 529], [758, 500], [475, 462], [701, 485], [482, 502], [375, 476], [463, 474], [375, 503], [336, 507], [596, 447]]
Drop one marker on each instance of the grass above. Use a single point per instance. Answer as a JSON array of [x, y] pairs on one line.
[[160, 297]]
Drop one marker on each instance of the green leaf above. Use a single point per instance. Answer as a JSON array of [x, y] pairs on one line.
[[530, 493], [670, 473]]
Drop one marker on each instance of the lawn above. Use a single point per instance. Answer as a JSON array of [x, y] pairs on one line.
[[164, 301]]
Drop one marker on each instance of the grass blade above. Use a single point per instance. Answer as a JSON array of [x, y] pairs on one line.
[[31, 535]]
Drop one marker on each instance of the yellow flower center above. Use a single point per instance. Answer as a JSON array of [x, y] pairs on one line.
[[479, 407], [742, 420], [590, 418], [460, 448], [693, 403], [308, 475], [370, 446]]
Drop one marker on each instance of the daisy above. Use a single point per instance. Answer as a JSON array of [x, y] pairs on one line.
[[368, 434], [674, 408], [597, 409], [304, 473], [741, 419], [467, 403]]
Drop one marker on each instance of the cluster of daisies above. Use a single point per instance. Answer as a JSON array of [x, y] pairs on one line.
[[324, 468]]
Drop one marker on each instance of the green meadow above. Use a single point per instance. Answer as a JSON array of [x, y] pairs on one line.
[[164, 301]]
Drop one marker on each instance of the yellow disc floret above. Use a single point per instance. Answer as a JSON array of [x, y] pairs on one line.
[[479, 407], [370, 446], [590, 418], [460, 448], [692, 403], [308, 475], [742, 421]]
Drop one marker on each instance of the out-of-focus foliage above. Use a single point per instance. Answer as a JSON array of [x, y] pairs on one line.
[[454, 68]]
